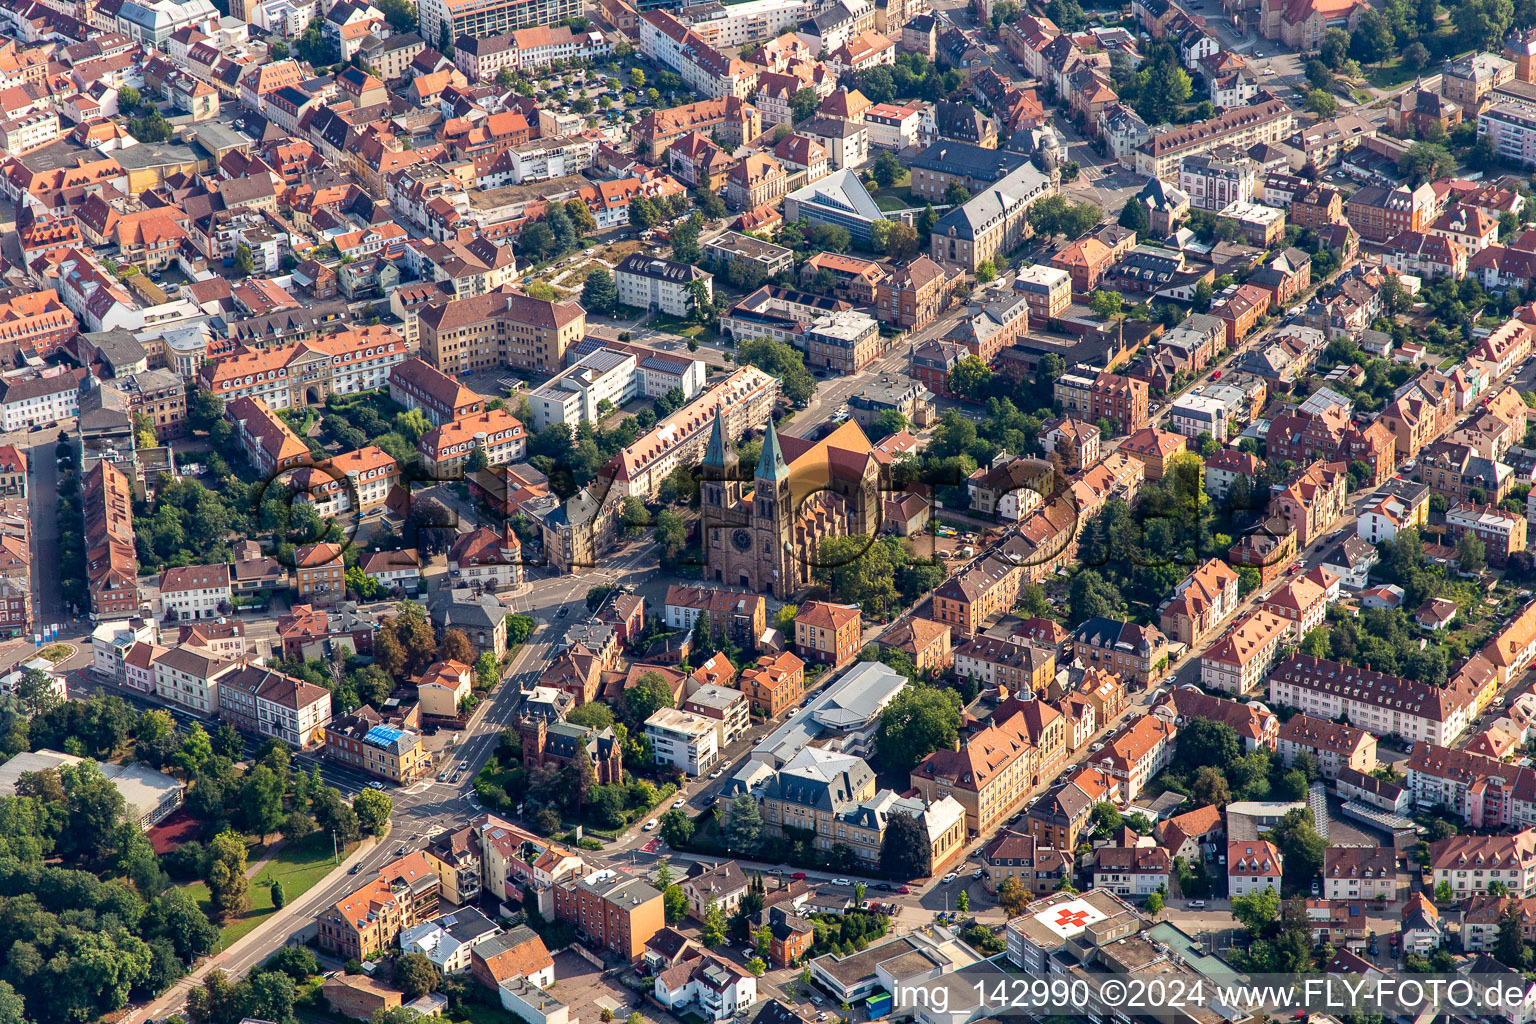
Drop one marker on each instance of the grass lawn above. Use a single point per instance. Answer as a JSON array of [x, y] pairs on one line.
[[683, 328], [297, 865], [890, 202], [1390, 74]]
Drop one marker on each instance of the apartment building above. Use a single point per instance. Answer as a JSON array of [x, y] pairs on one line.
[[37, 320], [1254, 724], [966, 600], [487, 557], [501, 328], [270, 704], [305, 373], [417, 384], [1380, 703], [1253, 865], [319, 574], [742, 615], [1202, 602], [991, 223], [1335, 746], [828, 633], [195, 592], [616, 913], [1379, 214], [362, 740], [269, 442], [1006, 666], [480, 18], [1360, 873], [689, 743], [1121, 400], [775, 684], [189, 677], [660, 285], [1136, 753], [446, 450], [367, 921], [1238, 662], [1502, 532], [1048, 290], [1123, 648], [1214, 181], [1470, 864], [112, 561], [357, 482], [989, 776], [1267, 122], [728, 708]]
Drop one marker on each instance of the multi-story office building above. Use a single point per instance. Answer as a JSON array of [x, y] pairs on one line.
[[1214, 181], [268, 703]]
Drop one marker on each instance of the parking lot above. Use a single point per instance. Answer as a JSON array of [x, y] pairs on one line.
[[589, 991]]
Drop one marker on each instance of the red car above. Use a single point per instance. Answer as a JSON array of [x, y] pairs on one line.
[[1216, 375], [902, 890], [798, 876]]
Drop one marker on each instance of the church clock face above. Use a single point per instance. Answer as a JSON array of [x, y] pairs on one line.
[[742, 540]]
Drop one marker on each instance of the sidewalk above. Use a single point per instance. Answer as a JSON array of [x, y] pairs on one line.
[[264, 936]]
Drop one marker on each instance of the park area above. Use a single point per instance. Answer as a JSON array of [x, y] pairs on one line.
[[297, 865]]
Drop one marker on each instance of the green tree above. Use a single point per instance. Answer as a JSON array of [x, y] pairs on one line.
[[229, 889], [713, 934], [920, 720], [599, 294], [1510, 948], [261, 800], [245, 260], [963, 901], [416, 975], [373, 809], [887, 169], [1427, 161], [1258, 909], [1133, 217], [986, 272], [743, 829], [1154, 904], [277, 894], [127, 100], [1321, 103], [1107, 304], [970, 377], [1471, 554], [803, 103]]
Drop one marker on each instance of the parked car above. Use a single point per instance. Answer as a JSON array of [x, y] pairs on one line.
[[798, 876], [883, 886], [902, 890], [375, 784], [679, 802], [841, 881], [648, 826], [948, 878]]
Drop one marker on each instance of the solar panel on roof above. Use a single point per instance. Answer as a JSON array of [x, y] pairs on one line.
[[383, 736]]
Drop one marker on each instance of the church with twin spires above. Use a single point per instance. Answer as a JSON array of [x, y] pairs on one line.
[[801, 493]]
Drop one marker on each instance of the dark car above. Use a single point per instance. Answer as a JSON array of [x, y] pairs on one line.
[[883, 886]]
